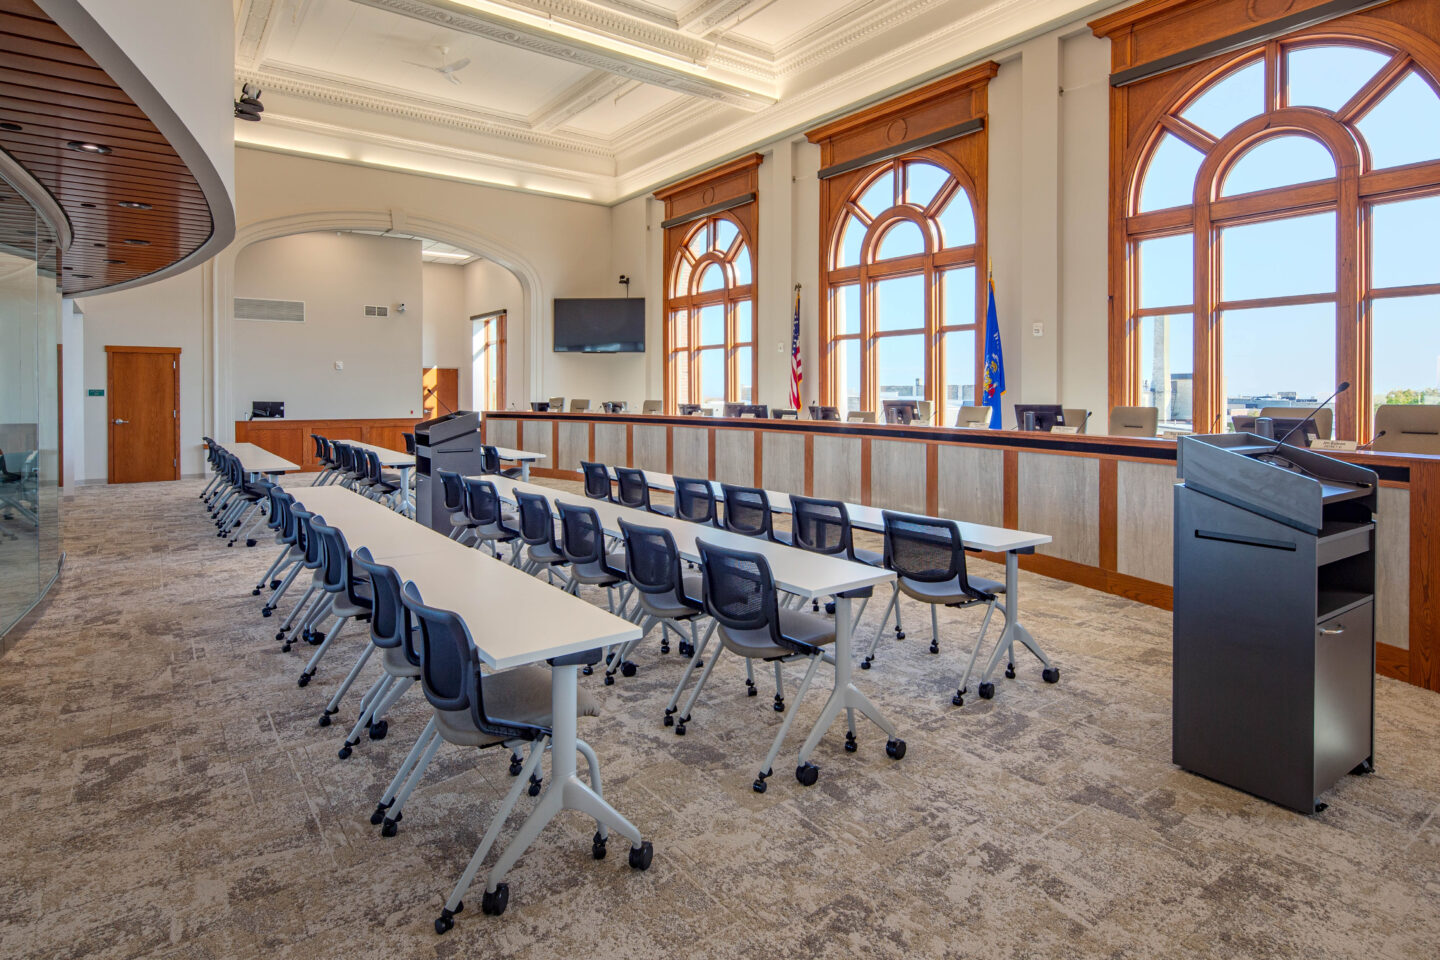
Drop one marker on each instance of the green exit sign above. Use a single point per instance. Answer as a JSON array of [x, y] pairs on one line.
[[96, 393]]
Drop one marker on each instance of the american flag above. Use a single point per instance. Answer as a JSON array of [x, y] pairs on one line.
[[796, 374]]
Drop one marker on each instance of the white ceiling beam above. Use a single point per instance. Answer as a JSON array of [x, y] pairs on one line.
[[252, 30], [578, 98], [564, 40], [704, 16]]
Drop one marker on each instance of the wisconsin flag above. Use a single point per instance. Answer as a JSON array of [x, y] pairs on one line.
[[993, 384]]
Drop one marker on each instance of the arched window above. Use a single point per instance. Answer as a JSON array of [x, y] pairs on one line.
[[1280, 223], [710, 307], [902, 286]]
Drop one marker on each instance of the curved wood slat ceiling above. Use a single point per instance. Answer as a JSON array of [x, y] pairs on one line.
[[56, 94]]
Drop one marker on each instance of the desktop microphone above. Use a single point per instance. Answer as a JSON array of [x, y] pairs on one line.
[[1215, 424], [1338, 390], [1367, 446]]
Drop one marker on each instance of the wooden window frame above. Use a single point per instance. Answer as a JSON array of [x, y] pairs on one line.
[[729, 192], [494, 321], [1143, 112], [884, 130]]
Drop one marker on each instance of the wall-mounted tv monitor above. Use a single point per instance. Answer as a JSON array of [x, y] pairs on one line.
[[604, 325]]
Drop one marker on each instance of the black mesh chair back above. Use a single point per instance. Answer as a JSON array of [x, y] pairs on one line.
[[289, 529], [653, 562], [694, 500], [482, 502], [319, 447], [537, 524], [276, 520], [582, 539], [926, 549], [450, 669], [342, 457], [820, 526], [597, 480], [307, 541], [490, 463], [337, 575], [409, 443], [747, 510], [329, 452], [389, 620], [454, 490], [739, 588], [632, 488]]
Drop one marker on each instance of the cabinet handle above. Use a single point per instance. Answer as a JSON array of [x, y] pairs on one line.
[[1332, 631]]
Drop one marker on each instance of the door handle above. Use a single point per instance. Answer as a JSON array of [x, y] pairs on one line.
[[118, 420], [1332, 631]]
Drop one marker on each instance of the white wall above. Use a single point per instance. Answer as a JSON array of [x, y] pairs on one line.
[[72, 337], [445, 324], [167, 313], [335, 276]]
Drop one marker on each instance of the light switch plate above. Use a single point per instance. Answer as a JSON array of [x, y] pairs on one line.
[[339, 364], [1037, 329]]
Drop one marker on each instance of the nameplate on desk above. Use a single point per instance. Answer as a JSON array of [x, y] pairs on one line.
[[1064, 429], [1335, 446]]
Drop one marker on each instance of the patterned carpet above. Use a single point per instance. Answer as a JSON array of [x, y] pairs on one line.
[[168, 794]]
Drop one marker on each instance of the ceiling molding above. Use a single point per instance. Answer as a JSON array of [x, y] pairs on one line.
[[578, 98], [618, 22], [252, 30], [456, 16], [345, 91]]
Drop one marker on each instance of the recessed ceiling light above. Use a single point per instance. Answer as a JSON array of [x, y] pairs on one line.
[[134, 205], [12, 127], [138, 243], [86, 147]]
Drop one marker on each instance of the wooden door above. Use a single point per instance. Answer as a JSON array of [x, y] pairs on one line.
[[143, 410], [441, 391]]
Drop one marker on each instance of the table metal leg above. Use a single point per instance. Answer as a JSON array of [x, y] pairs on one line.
[[565, 791], [525, 470], [846, 697], [406, 505], [1014, 630]]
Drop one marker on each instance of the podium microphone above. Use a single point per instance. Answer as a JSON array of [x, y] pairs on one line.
[[1345, 385]]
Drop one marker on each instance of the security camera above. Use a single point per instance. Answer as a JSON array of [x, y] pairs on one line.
[[400, 308]]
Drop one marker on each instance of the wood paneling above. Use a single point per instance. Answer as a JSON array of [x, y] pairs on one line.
[[440, 391], [971, 484], [783, 465], [291, 438], [1145, 520], [1060, 495], [56, 94], [142, 408]]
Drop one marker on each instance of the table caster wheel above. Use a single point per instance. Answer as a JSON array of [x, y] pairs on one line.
[[495, 901], [597, 847], [640, 856], [378, 730], [895, 749], [987, 690], [345, 751], [807, 773], [627, 669], [1050, 674]]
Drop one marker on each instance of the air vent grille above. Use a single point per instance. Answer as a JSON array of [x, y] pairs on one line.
[[377, 311], [285, 311]]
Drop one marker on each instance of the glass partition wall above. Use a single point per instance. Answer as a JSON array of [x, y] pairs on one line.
[[29, 410]]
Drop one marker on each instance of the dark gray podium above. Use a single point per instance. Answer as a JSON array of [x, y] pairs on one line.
[[451, 442], [1274, 673]]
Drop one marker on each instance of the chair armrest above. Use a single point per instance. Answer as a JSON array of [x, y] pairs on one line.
[[585, 658]]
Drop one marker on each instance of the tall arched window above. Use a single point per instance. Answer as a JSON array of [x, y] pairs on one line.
[[1279, 233], [902, 243], [710, 307]]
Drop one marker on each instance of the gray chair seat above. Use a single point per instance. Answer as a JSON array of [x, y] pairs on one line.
[[594, 575], [663, 509], [668, 606], [783, 536], [521, 695], [396, 664], [947, 591], [544, 553], [458, 519], [799, 625], [870, 557]]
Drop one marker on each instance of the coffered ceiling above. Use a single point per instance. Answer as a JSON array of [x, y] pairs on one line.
[[594, 99]]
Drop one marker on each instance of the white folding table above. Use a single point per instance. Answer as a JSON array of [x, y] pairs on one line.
[[397, 459], [522, 457], [977, 536], [258, 460], [800, 572], [485, 593]]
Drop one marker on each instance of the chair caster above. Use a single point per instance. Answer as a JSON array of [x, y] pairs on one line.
[[679, 728], [987, 690], [249, 543], [664, 648], [495, 901], [850, 745], [627, 669], [265, 611], [899, 634], [640, 856], [304, 680], [391, 826], [274, 584], [597, 846], [279, 634], [865, 664], [750, 690], [446, 920], [313, 638], [807, 773], [759, 785], [1009, 671], [535, 783], [895, 749], [255, 592], [587, 670], [1050, 674], [959, 698], [779, 704], [830, 607], [379, 815], [378, 730], [324, 720], [687, 649], [609, 679], [515, 767], [346, 750], [285, 648], [934, 647]]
